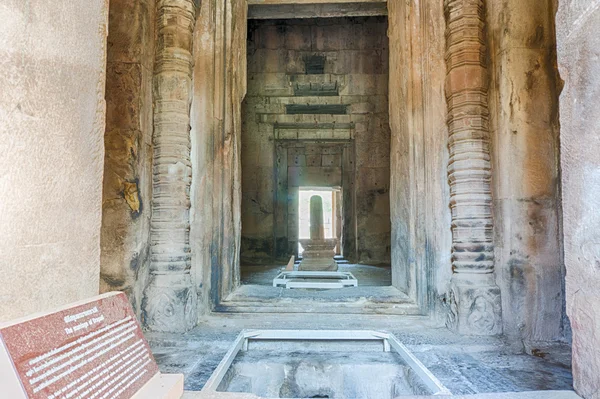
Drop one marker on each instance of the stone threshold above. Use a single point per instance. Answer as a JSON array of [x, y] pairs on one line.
[[353, 300]]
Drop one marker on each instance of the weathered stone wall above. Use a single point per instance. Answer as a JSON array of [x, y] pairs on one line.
[[419, 191], [204, 130], [525, 141], [52, 115], [128, 148], [219, 86], [578, 24], [356, 70]]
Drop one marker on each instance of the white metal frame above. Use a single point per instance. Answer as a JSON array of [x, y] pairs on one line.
[[290, 280], [389, 342]]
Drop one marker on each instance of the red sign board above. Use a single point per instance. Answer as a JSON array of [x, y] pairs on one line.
[[94, 350]]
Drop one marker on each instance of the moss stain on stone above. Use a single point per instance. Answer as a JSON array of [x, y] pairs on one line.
[[131, 195]]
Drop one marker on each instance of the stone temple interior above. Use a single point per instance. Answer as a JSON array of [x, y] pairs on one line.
[[187, 152]]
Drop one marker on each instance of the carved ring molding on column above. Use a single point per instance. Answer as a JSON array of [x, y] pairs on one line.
[[474, 297]]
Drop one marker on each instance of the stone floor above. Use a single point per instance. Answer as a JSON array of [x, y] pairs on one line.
[[367, 276], [466, 365], [510, 395]]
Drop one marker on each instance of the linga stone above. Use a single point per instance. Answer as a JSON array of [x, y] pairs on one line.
[[318, 252]]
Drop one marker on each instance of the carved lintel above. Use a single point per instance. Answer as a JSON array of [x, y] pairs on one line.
[[170, 299], [475, 298]]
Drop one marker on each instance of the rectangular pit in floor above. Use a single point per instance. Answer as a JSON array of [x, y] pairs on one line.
[[322, 364]]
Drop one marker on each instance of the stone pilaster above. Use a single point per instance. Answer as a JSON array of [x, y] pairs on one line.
[[474, 297], [169, 302]]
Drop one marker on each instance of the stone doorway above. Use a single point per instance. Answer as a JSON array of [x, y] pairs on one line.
[[395, 178], [335, 169], [316, 115], [332, 214]]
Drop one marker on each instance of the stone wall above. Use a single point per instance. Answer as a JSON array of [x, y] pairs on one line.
[[219, 86], [578, 24], [128, 148], [525, 141], [345, 98], [419, 192], [204, 131], [52, 115]]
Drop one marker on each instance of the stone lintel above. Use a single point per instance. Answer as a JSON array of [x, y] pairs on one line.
[[329, 9]]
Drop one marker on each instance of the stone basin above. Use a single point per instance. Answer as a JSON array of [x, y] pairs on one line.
[[322, 364], [340, 375]]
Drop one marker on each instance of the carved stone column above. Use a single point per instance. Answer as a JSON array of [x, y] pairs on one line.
[[170, 299], [474, 297]]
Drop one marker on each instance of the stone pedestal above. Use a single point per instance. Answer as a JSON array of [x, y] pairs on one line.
[[318, 256], [475, 305]]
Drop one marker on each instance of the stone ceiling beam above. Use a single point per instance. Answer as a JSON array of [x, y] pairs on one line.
[[318, 10], [312, 2]]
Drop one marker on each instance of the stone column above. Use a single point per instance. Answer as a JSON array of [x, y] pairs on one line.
[[474, 296], [317, 229], [170, 299]]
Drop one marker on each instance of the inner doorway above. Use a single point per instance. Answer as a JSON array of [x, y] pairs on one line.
[[332, 214], [316, 116]]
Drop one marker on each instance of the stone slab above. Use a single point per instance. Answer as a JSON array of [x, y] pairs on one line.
[[90, 349], [164, 386], [507, 395]]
